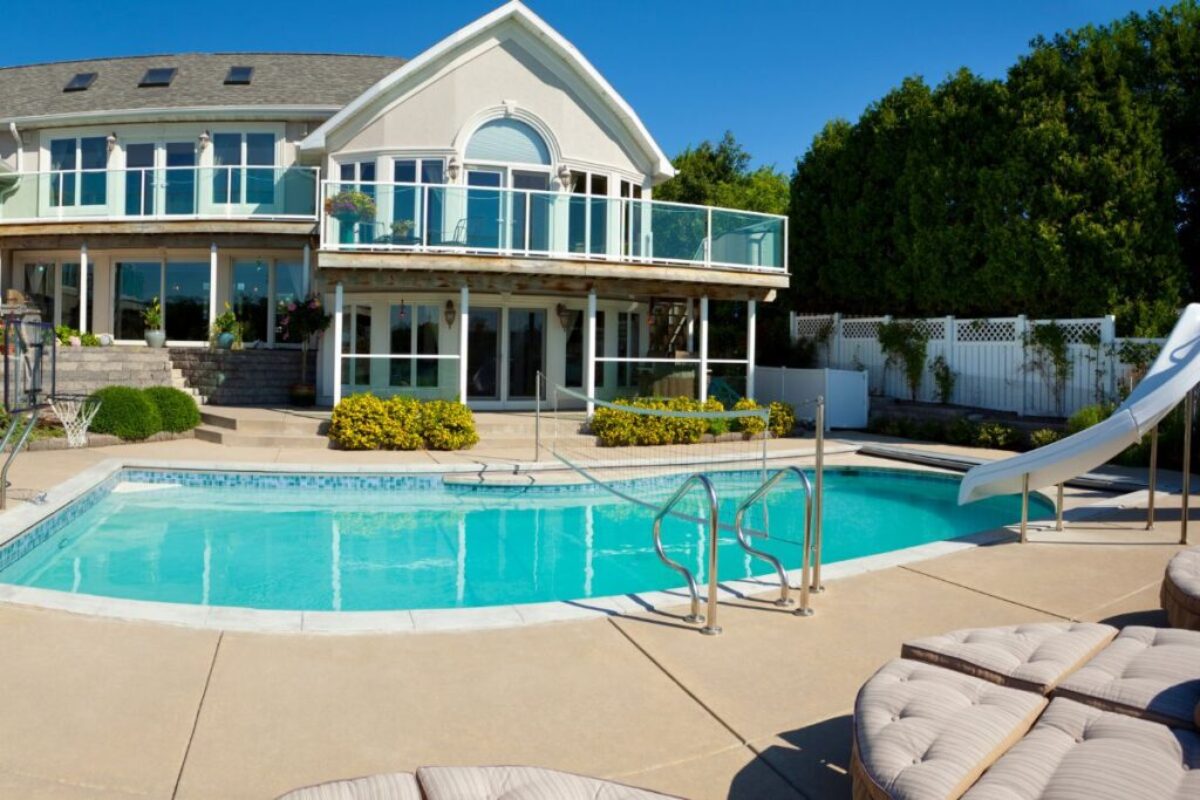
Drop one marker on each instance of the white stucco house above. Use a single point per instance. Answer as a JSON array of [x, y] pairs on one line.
[[473, 216]]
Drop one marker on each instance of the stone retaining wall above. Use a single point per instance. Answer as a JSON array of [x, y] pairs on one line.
[[83, 370], [241, 377]]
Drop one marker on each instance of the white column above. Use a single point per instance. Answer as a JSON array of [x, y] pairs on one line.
[[83, 288], [589, 351], [338, 302], [702, 378], [464, 313], [212, 284], [751, 317]]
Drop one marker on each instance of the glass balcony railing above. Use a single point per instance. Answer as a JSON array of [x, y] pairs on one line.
[[160, 193], [518, 222]]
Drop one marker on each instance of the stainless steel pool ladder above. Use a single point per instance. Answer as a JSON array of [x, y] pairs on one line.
[[13, 424], [710, 623], [743, 538]]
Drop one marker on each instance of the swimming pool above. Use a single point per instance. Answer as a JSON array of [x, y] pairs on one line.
[[351, 542]]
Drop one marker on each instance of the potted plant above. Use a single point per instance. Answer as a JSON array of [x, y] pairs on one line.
[[152, 317], [402, 232], [225, 328], [299, 321], [350, 208]]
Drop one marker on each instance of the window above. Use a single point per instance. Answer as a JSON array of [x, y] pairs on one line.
[[158, 76], [350, 175], [70, 294], [239, 76], [80, 82], [290, 287], [575, 349], [510, 141], [629, 345], [407, 200], [587, 230], [631, 235], [414, 331], [250, 291], [78, 168], [234, 180], [356, 338], [185, 301], [136, 285], [39, 289]]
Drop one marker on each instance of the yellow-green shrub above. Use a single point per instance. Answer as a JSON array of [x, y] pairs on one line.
[[716, 426], [748, 425], [367, 422], [447, 425], [783, 419]]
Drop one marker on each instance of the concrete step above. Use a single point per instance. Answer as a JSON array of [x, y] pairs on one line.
[[231, 438], [246, 421]]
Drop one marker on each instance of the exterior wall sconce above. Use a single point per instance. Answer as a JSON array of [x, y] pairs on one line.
[[452, 168], [205, 138], [450, 313], [112, 142], [565, 316], [564, 175]]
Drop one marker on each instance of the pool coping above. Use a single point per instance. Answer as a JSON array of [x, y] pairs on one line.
[[242, 619]]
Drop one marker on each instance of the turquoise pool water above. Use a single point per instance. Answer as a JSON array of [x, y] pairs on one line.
[[373, 543]]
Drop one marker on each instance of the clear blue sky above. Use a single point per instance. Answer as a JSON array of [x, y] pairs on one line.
[[772, 71]]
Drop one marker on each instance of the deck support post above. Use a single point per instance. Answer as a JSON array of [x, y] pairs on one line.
[[338, 303], [702, 378], [589, 350], [83, 288], [1058, 510], [464, 314], [751, 322], [212, 285]]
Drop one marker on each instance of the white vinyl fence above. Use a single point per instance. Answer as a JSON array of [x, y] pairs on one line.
[[992, 365], [847, 404]]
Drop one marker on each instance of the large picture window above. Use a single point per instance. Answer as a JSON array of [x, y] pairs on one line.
[[249, 297], [78, 171], [235, 177], [408, 217], [136, 284], [356, 338], [185, 307]]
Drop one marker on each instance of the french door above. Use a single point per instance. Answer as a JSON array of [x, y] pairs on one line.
[[506, 348]]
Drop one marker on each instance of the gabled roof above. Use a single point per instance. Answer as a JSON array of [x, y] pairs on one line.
[[515, 11], [280, 80]]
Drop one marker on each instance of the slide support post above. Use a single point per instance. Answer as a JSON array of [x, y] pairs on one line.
[[1025, 508]]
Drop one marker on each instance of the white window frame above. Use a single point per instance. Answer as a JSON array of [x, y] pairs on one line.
[[413, 355]]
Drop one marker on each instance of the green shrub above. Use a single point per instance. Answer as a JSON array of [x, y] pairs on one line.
[[176, 409], [1088, 416], [961, 432], [716, 427], [1043, 437], [447, 425], [751, 426], [126, 412], [783, 419], [995, 434]]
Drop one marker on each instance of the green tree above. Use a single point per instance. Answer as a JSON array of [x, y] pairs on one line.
[[720, 175]]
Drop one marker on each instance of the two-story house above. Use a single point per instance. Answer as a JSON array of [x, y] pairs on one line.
[[473, 216]]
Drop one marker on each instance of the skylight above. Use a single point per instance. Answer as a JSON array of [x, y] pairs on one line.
[[80, 82], [239, 76], [158, 76]]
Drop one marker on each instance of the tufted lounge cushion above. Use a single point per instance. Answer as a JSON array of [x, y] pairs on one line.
[[522, 783], [922, 732], [1153, 673], [1077, 751], [389, 786], [1181, 589], [1034, 657]]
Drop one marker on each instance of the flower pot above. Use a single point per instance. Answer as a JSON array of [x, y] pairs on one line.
[[156, 338], [346, 225], [225, 340], [302, 394]]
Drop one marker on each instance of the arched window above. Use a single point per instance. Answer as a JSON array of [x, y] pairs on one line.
[[508, 140]]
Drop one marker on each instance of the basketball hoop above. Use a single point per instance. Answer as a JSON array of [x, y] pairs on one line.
[[76, 414]]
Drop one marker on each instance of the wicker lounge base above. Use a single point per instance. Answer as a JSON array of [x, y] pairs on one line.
[[1180, 594]]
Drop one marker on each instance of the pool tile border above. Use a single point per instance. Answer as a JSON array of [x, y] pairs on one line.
[[34, 523]]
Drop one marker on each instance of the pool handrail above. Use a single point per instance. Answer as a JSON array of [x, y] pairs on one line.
[[710, 622], [760, 493]]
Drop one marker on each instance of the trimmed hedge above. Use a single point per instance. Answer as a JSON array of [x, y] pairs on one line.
[[366, 422], [126, 412], [616, 428], [176, 408]]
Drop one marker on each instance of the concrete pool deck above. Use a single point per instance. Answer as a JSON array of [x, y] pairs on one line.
[[112, 709]]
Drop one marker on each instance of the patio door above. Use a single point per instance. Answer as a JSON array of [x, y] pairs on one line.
[[179, 185], [506, 348]]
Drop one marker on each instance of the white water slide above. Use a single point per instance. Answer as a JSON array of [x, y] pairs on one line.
[[1174, 373]]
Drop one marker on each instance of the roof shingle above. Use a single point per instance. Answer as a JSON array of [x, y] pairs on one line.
[[280, 79]]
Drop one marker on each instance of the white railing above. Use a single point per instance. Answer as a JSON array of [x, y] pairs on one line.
[[227, 192], [992, 365], [441, 218]]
